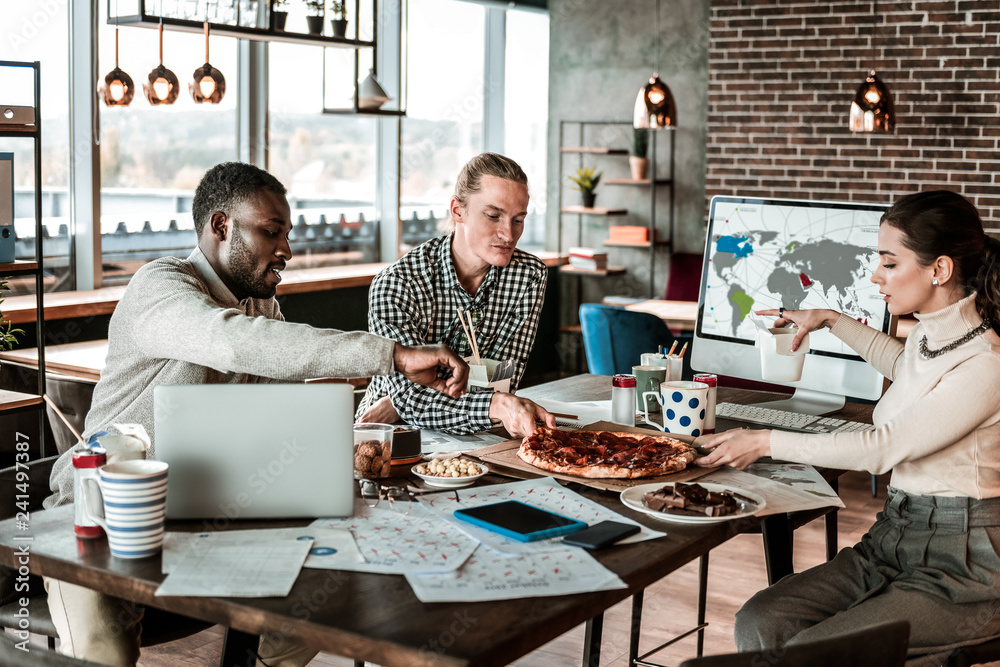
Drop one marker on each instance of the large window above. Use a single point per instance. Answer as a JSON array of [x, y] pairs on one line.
[[39, 31], [443, 127], [327, 162], [153, 157], [526, 103], [340, 180]]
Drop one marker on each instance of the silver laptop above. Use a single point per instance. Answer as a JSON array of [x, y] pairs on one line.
[[253, 451]]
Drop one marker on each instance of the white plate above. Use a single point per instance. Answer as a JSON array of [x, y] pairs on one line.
[[633, 497], [450, 482]]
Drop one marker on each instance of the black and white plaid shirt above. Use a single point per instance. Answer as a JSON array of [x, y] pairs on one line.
[[415, 302]]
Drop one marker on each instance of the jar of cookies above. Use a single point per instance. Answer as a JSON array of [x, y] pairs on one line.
[[372, 450]]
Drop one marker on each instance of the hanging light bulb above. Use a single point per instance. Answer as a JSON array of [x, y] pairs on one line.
[[872, 109], [162, 86], [117, 89], [209, 85], [654, 105]]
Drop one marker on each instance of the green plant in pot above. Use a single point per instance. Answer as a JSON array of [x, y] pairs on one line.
[[8, 336], [339, 22], [314, 20], [586, 180], [278, 14], [638, 162]]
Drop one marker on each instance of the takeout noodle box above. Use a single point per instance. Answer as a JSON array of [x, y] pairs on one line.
[[481, 376]]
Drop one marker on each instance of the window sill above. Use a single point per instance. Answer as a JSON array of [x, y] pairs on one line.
[[66, 305]]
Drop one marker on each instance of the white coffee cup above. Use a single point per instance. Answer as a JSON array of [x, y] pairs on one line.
[[684, 407], [128, 500], [777, 361]]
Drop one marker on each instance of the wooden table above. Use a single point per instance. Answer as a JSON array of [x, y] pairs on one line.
[[677, 315], [377, 617], [83, 361]]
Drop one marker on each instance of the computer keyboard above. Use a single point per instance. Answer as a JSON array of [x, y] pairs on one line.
[[787, 421]]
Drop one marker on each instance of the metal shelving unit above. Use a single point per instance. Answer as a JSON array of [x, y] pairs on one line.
[[14, 401], [581, 149]]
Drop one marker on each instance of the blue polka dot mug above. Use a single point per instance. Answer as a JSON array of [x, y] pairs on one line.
[[683, 404]]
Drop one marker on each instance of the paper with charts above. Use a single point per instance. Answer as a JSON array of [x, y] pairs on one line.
[[490, 575], [545, 493], [394, 543], [259, 565]]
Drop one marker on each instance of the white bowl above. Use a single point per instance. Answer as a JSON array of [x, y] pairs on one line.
[[451, 482]]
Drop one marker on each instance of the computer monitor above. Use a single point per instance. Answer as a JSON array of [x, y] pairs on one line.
[[766, 253]]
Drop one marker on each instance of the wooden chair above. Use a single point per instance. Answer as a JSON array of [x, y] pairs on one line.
[[35, 656], [881, 645]]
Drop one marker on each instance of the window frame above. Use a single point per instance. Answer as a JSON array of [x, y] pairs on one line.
[[251, 126]]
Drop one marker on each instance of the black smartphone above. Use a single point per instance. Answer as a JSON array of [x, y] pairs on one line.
[[601, 534], [519, 521]]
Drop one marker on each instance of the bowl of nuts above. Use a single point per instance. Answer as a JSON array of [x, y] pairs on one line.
[[449, 473]]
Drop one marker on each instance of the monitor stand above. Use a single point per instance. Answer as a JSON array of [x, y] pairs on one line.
[[808, 401]]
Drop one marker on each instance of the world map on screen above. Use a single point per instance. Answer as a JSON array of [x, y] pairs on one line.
[[792, 256]]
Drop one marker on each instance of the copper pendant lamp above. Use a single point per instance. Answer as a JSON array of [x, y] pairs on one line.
[[654, 105], [208, 86], [872, 109], [162, 86], [117, 89]]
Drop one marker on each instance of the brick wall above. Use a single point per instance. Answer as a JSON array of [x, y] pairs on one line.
[[782, 74]]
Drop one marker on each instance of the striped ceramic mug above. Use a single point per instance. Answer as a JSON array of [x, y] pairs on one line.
[[132, 495]]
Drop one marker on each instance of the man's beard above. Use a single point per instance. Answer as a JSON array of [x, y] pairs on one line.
[[243, 269]]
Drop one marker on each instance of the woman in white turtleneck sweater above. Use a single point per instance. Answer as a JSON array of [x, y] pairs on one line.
[[931, 557]]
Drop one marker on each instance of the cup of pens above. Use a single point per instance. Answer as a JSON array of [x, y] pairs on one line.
[[674, 363]]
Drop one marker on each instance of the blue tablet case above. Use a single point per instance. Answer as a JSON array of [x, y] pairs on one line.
[[519, 521]]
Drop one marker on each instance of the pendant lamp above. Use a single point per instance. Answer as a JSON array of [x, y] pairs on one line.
[[371, 94], [654, 105], [162, 86], [208, 85], [872, 109], [117, 89]]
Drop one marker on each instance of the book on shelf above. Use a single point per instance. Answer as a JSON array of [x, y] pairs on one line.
[[588, 259], [629, 234]]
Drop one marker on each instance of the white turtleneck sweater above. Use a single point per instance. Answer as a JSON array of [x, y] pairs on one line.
[[937, 426]]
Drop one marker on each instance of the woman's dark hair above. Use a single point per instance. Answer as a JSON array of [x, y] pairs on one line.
[[943, 223]]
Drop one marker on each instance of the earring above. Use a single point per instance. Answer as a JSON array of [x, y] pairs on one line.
[[935, 282]]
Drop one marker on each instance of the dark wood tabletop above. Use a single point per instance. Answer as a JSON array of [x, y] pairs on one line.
[[369, 616]]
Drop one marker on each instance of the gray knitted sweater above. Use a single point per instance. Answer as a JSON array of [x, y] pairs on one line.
[[178, 323]]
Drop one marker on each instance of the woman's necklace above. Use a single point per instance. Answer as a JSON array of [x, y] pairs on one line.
[[928, 353]]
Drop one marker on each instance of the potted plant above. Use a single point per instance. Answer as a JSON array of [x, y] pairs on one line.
[[315, 19], [339, 8], [8, 336], [586, 180], [638, 162], [278, 14]]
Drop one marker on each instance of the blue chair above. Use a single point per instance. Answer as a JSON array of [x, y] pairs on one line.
[[614, 338]]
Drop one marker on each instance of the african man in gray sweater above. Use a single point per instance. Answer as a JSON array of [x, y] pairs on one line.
[[212, 319]]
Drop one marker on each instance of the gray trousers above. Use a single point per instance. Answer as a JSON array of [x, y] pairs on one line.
[[929, 560]]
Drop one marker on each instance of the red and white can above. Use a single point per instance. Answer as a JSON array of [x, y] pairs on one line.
[[85, 465], [712, 381], [623, 399]]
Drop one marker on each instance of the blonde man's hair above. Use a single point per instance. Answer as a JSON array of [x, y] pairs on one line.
[[470, 179]]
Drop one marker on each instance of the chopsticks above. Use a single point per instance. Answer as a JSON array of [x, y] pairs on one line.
[[470, 333], [55, 408]]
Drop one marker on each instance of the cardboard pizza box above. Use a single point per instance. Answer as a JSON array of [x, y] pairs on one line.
[[502, 459]]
